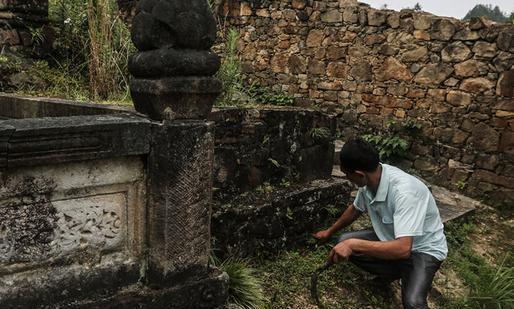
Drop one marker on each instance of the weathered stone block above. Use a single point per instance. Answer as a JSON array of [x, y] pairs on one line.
[[442, 29], [471, 68], [361, 71], [314, 38], [422, 21], [433, 74], [393, 69], [505, 40], [337, 69], [299, 4], [297, 64], [476, 85], [466, 35], [376, 17], [393, 20], [332, 16], [484, 49], [507, 142], [505, 85], [414, 54], [458, 98], [456, 52], [248, 225], [316, 67], [485, 138], [266, 145], [351, 15], [175, 97]]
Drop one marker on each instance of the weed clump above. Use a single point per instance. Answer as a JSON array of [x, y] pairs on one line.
[[236, 91], [245, 289]]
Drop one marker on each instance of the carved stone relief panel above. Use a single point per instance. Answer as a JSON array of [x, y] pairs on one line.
[[97, 221]]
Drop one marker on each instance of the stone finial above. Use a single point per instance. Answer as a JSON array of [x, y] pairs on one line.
[[173, 71]]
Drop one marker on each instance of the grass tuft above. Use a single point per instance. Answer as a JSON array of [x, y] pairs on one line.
[[245, 289]]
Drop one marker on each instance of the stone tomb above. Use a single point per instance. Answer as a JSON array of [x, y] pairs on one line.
[[96, 200]]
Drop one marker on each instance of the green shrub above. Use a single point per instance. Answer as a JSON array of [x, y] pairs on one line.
[[394, 140], [263, 95], [389, 148]]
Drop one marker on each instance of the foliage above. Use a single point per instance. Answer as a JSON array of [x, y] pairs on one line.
[[461, 184], [245, 289], [394, 140], [487, 10], [263, 95], [109, 49], [90, 53], [388, 147], [230, 74], [60, 81], [286, 279], [320, 134], [234, 91], [490, 286]]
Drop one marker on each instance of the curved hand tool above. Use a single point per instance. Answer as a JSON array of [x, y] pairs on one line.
[[314, 283]]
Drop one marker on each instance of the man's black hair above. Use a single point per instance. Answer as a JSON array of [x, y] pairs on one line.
[[359, 155]]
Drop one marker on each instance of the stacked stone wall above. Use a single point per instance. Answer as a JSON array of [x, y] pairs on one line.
[[17, 17], [369, 66]]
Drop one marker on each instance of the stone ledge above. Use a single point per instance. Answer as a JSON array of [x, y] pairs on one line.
[[28, 142], [14, 106]]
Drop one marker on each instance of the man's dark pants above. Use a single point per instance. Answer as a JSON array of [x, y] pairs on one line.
[[416, 272]]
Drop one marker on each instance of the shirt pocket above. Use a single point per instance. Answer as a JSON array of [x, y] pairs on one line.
[[387, 220]]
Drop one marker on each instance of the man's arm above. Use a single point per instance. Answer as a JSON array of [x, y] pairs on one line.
[[349, 215], [399, 248]]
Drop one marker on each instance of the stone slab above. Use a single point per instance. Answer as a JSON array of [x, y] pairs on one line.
[[39, 141]]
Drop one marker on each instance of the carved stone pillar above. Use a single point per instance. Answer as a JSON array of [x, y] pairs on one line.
[[179, 197], [173, 83]]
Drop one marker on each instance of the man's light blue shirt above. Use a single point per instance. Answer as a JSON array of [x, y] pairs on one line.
[[404, 206]]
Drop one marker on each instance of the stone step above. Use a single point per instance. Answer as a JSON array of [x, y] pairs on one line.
[[451, 205]]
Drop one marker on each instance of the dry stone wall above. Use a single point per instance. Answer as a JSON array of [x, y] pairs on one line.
[[369, 66]]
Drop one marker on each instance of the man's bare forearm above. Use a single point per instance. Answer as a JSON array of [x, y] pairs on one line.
[[349, 215], [390, 250]]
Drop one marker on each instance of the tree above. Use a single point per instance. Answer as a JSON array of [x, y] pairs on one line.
[[512, 17], [494, 14]]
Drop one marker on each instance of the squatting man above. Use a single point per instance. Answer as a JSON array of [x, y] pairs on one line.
[[407, 241]]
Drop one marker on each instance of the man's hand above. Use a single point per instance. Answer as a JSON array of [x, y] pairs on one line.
[[341, 252], [322, 235]]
